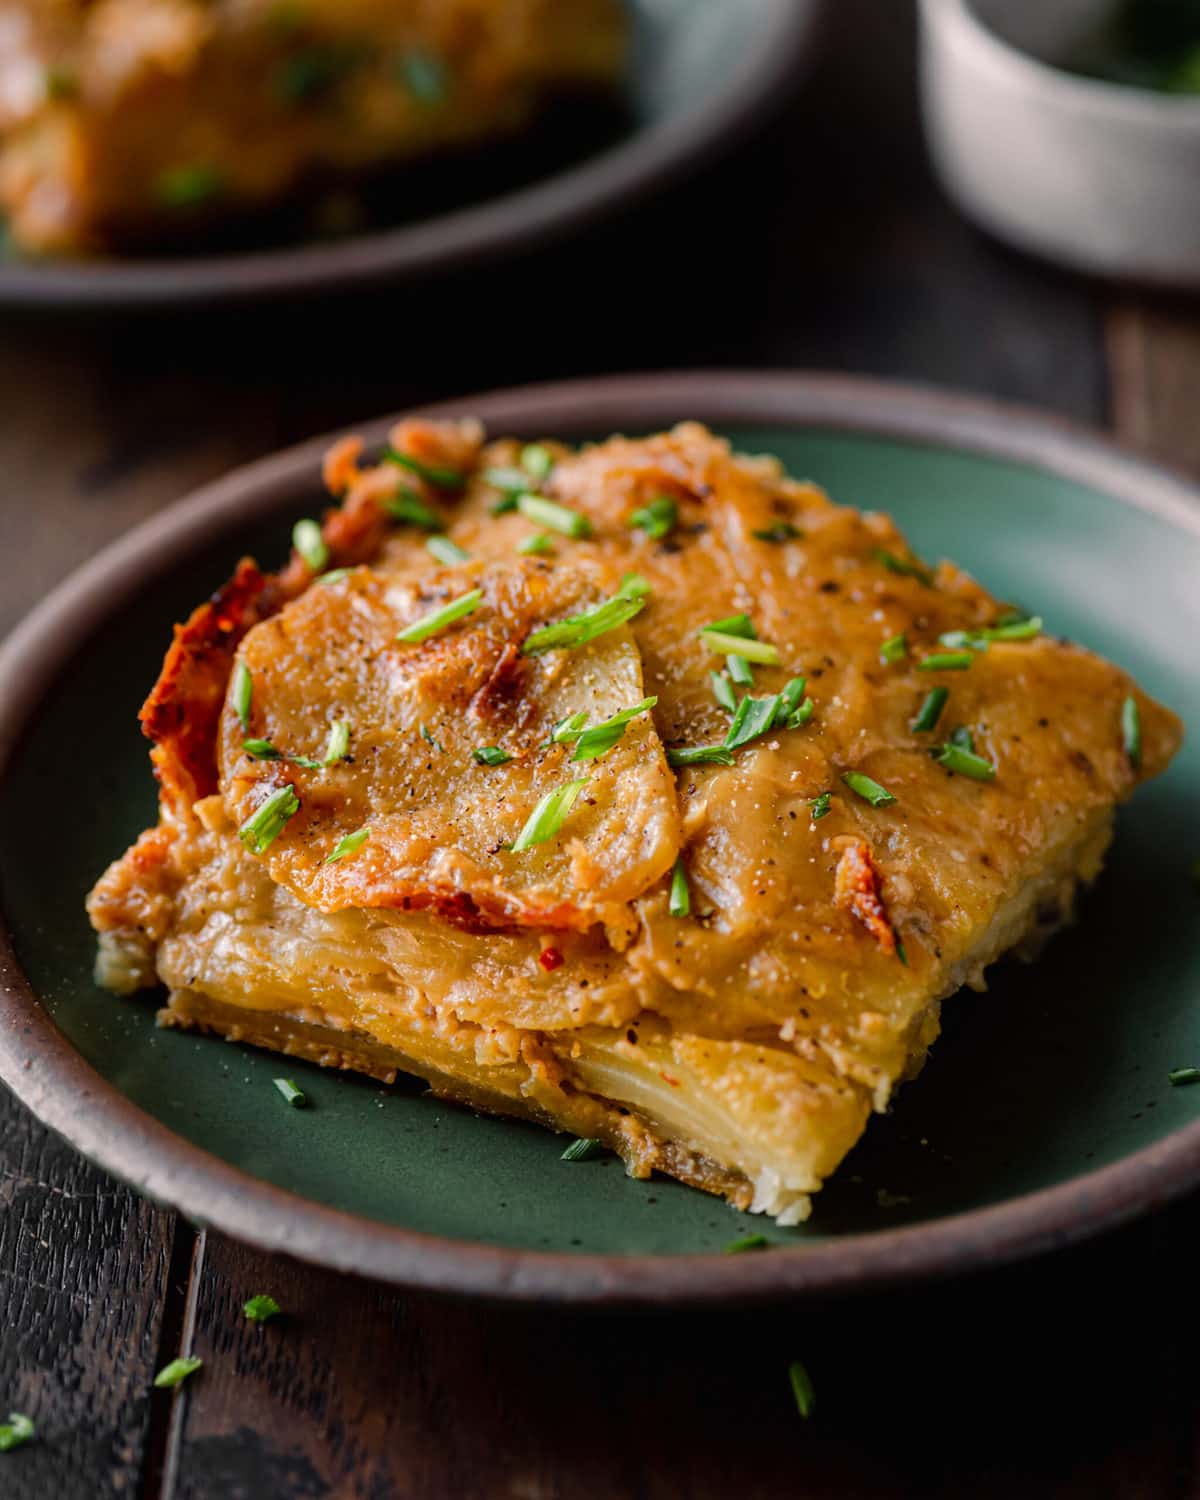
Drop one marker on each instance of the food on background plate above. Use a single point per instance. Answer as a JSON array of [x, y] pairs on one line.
[[128, 121], [638, 790]]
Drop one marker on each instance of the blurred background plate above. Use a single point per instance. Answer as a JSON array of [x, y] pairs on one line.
[[703, 71], [1044, 1112]]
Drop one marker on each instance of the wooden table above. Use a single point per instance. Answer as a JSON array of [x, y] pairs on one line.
[[824, 244]]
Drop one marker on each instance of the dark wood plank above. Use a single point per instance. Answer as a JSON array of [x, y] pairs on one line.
[[1154, 358], [83, 1295]]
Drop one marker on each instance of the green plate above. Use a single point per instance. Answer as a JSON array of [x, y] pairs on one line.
[[1044, 1110], [700, 73]]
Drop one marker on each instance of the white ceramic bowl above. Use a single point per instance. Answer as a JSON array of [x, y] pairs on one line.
[[1098, 176]]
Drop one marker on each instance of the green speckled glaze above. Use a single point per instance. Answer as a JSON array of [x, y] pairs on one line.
[[1062, 1067]]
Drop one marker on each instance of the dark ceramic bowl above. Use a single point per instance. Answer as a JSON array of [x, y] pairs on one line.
[[1044, 1112], [703, 71]]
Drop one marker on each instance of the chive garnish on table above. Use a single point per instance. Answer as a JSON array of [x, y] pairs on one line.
[[577, 630], [241, 692], [266, 823], [310, 544], [16, 1431], [294, 1096], [819, 805], [348, 845], [747, 1242], [261, 1309], [583, 1149], [803, 1393], [407, 506], [1131, 732], [1179, 1076], [442, 477], [965, 762], [438, 619], [894, 649], [701, 755], [679, 903], [490, 755], [549, 815], [946, 661], [543, 512], [869, 790], [177, 1372], [446, 551], [657, 519], [931, 710]]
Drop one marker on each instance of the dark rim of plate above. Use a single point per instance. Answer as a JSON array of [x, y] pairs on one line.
[[650, 159], [46, 1073]]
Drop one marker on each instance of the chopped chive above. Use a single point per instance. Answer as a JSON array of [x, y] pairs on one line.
[[506, 502], [740, 671], [747, 1242], [17, 1430], [447, 552], [431, 739], [261, 1309], [1131, 732], [536, 545], [294, 1096], [424, 76], [946, 661], [188, 186], [802, 1388], [965, 762], [656, 519], [819, 805], [723, 691], [869, 790], [902, 565], [438, 619], [1004, 629], [490, 755], [802, 715], [351, 844], [739, 625], [263, 827], [1176, 1077], [261, 750], [335, 575], [549, 815], [733, 645], [962, 640], [440, 476], [543, 512], [634, 586], [177, 1372], [582, 1150], [241, 693], [931, 710], [782, 531], [790, 699], [600, 738], [577, 630], [679, 903], [701, 755], [512, 481], [337, 747], [963, 738], [894, 649], [754, 718], [901, 952], [569, 728], [310, 544], [407, 506], [537, 461]]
